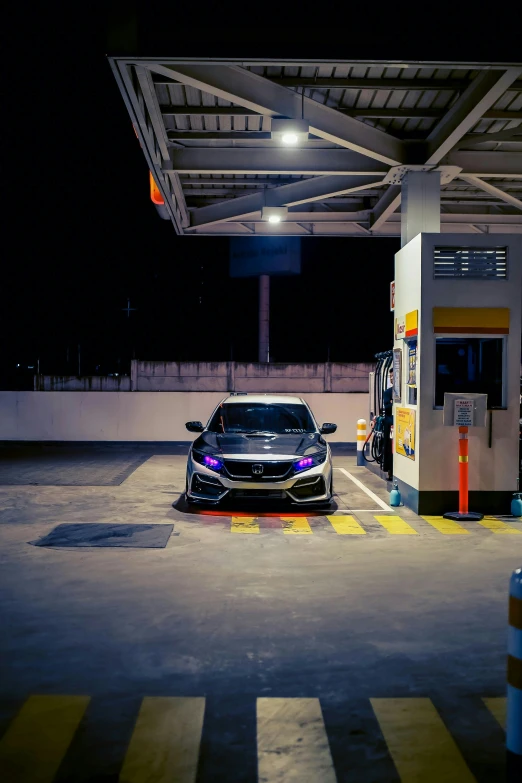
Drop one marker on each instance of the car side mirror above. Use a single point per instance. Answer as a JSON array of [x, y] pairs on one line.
[[194, 426], [328, 429]]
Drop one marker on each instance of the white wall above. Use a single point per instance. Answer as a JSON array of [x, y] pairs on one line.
[[144, 416]]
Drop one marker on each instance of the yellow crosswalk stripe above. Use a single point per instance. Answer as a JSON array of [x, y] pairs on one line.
[[447, 526], [36, 741], [346, 526], [497, 705], [396, 525], [165, 743], [297, 525], [497, 526], [291, 742], [422, 748], [244, 525]]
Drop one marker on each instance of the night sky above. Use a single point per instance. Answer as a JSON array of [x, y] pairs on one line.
[[80, 234]]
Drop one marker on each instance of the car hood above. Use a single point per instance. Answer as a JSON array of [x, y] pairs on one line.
[[272, 445]]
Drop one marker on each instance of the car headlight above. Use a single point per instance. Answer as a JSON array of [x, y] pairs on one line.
[[304, 463], [209, 461]]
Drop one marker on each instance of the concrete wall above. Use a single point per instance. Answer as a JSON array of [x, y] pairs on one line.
[[250, 377], [118, 416], [82, 383]]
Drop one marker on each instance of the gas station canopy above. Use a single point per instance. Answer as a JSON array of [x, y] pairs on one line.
[[324, 145]]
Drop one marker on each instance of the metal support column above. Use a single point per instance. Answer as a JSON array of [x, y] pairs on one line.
[[264, 318], [420, 204]]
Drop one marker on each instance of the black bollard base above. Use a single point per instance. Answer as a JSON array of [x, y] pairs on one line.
[[470, 516], [513, 767]]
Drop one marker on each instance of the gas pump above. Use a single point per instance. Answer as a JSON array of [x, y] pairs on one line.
[[377, 415]]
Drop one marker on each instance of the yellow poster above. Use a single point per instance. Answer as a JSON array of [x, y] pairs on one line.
[[405, 432]]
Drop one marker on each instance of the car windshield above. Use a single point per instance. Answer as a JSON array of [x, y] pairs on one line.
[[279, 418]]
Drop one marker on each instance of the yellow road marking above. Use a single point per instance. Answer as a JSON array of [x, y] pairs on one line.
[[164, 746], [297, 525], [497, 526], [244, 525], [396, 525], [291, 742], [420, 744], [36, 741], [446, 526], [497, 705], [346, 526]]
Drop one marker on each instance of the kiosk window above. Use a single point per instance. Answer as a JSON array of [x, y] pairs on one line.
[[469, 364]]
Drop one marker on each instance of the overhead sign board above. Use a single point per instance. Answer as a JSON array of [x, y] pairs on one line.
[[254, 256]]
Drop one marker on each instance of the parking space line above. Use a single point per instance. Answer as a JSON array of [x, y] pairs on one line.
[[34, 745], [296, 525], [244, 525], [346, 526], [396, 526], [164, 746], [497, 705], [446, 526], [291, 742], [496, 526], [420, 744], [364, 488]]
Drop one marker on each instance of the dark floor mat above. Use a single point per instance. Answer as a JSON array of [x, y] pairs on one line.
[[68, 468], [97, 534]]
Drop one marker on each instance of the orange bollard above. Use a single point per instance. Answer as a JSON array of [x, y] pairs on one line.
[[463, 470], [463, 514]]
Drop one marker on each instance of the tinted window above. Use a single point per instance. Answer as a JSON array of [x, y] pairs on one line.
[[469, 364], [259, 417]]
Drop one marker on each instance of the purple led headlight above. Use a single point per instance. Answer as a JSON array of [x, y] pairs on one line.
[[212, 462], [304, 463]]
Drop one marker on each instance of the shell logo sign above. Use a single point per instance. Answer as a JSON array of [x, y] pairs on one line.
[[407, 327], [400, 328]]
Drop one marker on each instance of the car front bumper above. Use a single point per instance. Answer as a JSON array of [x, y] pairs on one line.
[[306, 486]]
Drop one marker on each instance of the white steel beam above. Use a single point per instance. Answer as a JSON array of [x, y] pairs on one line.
[[254, 92], [302, 192], [513, 135], [483, 92], [492, 190], [386, 206], [202, 160], [487, 164]]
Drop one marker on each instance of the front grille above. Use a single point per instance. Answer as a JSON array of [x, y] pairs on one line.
[[272, 471], [260, 494]]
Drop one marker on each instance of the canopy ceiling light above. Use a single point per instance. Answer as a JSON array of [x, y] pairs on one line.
[[274, 214], [290, 132]]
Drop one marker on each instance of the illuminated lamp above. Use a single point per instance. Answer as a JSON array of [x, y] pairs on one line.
[[290, 133], [274, 214]]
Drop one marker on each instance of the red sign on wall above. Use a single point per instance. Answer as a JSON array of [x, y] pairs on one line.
[[392, 296]]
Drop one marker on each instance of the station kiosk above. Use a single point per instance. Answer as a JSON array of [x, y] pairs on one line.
[[457, 331]]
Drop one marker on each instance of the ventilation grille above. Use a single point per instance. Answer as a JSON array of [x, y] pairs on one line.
[[479, 263]]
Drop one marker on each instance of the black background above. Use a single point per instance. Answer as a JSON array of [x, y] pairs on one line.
[[80, 234]]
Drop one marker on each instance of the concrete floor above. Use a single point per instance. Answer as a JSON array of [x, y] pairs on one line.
[[303, 628]]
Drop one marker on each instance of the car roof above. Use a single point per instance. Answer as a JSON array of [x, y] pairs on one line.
[[264, 398]]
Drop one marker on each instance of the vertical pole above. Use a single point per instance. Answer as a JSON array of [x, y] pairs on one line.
[[514, 680], [463, 470], [264, 318], [361, 440]]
